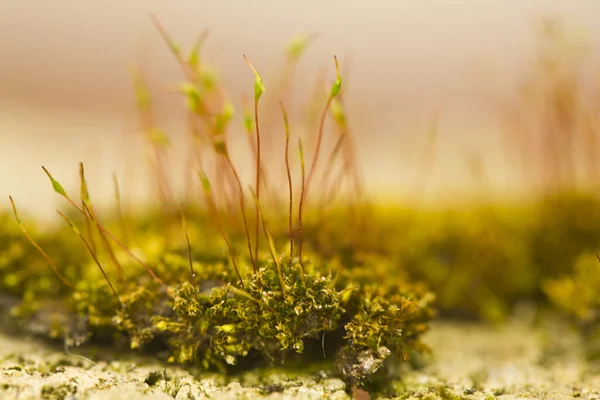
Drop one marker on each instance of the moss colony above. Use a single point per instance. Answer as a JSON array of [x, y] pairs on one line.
[[238, 277]]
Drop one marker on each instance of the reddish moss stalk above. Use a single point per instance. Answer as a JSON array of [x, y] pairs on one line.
[[120, 210], [289, 177], [335, 90], [243, 208], [271, 244], [313, 166], [256, 244], [300, 233], [212, 210], [258, 91]]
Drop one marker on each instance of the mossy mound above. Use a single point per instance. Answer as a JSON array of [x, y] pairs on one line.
[[210, 318]]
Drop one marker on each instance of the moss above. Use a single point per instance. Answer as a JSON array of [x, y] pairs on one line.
[[577, 296], [480, 260], [184, 319], [151, 318], [568, 225], [216, 321], [348, 282], [577, 293], [197, 287], [476, 261], [389, 321]]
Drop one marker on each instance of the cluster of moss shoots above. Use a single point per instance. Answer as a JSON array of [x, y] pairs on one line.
[[211, 285]]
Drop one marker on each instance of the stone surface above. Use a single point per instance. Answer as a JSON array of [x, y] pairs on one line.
[[470, 361]]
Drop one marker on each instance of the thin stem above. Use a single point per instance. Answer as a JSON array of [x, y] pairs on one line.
[[167, 39], [88, 209], [33, 242], [212, 209], [189, 246], [103, 230], [289, 176], [134, 257], [243, 208], [146, 112], [92, 254], [270, 242], [331, 192], [252, 143], [186, 66], [84, 196], [353, 165], [258, 91], [302, 192], [331, 160], [120, 209], [319, 143], [256, 244], [89, 228]]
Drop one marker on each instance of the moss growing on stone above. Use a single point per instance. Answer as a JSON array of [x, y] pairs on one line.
[[210, 286]]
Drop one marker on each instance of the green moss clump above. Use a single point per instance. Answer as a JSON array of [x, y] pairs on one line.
[[578, 297], [577, 293], [383, 325], [477, 262], [568, 226], [480, 260], [213, 320], [230, 322], [218, 297]]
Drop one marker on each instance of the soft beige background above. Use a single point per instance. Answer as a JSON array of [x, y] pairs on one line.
[[65, 93]]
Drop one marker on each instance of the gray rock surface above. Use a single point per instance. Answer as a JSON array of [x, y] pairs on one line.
[[470, 361]]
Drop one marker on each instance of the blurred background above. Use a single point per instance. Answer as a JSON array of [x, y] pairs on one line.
[[423, 77]]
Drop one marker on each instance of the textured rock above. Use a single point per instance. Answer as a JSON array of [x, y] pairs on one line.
[[470, 361]]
